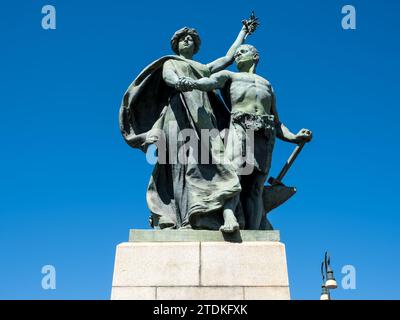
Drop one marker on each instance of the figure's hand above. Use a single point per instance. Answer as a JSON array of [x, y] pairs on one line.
[[250, 25], [304, 135], [185, 84]]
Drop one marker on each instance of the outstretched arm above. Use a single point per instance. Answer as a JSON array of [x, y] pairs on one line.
[[283, 133], [216, 81]]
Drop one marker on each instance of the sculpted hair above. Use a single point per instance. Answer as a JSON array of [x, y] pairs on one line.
[[183, 32]]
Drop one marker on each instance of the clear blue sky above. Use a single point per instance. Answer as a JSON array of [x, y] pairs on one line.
[[71, 188]]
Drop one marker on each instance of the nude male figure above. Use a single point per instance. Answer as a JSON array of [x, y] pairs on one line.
[[253, 108]]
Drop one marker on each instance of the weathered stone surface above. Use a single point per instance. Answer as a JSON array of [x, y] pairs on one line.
[[200, 293], [266, 293], [157, 264], [243, 264], [133, 293], [201, 235], [201, 270]]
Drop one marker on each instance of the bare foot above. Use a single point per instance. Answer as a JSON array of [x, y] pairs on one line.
[[230, 223], [186, 227]]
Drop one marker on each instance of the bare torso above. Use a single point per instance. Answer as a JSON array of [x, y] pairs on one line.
[[250, 93]]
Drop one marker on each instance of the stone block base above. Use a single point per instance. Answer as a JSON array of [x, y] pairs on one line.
[[202, 269]]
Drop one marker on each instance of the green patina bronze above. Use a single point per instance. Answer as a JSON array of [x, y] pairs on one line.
[[176, 93]]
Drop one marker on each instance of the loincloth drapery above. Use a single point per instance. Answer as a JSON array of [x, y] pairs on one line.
[[250, 142], [260, 124]]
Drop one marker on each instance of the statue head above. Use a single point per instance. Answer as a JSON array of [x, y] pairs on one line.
[[246, 56], [185, 41]]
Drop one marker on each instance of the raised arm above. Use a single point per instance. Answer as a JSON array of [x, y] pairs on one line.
[[283, 133], [249, 26], [227, 60]]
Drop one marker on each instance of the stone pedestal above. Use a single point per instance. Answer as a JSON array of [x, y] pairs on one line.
[[202, 265]]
